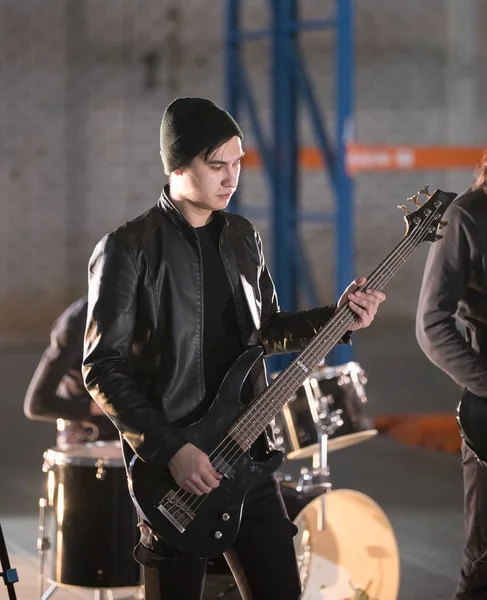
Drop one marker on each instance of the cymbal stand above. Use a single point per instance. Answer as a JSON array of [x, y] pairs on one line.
[[326, 423]]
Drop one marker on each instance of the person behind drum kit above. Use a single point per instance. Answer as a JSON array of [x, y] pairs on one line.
[[175, 297], [57, 391], [455, 283]]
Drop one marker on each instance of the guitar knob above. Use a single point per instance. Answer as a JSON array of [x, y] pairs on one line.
[[218, 535], [226, 517]]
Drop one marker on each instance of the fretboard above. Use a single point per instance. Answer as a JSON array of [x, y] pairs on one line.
[[265, 408]]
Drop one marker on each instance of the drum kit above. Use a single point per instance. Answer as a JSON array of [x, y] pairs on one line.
[[345, 545]]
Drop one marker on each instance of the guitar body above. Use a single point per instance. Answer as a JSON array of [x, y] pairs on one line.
[[472, 421], [219, 512]]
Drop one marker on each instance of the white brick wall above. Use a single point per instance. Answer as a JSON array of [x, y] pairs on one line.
[[79, 138]]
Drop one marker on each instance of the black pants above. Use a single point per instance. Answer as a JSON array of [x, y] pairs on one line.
[[262, 557], [472, 584]]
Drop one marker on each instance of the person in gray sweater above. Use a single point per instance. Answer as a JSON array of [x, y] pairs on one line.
[[451, 329], [57, 392]]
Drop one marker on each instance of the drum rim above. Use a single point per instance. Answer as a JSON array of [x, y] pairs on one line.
[[56, 455], [322, 371], [350, 366]]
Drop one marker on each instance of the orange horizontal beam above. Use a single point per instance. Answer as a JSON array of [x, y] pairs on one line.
[[409, 158], [361, 158]]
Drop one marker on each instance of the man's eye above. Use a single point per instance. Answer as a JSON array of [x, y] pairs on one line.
[[217, 168]]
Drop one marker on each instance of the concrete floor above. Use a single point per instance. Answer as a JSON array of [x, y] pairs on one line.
[[420, 490]]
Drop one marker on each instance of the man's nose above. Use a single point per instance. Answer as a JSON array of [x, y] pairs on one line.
[[230, 179]]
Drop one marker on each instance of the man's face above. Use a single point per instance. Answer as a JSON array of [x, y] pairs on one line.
[[209, 184]]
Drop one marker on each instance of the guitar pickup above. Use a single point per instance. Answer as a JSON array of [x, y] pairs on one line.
[[222, 466]]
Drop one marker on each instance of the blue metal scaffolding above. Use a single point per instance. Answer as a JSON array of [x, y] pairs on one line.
[[290, 86]]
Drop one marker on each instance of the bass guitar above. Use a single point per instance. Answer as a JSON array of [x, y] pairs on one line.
[[205, 526]]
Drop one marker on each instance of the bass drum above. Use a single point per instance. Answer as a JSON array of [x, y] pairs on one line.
[[355, 556]]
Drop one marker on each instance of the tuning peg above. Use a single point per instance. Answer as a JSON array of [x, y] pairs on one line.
[[424, 191], [404, 208], [438, 237], [443, 223], [414, 199]]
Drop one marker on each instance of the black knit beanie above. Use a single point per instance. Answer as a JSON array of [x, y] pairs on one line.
[[190, 126]]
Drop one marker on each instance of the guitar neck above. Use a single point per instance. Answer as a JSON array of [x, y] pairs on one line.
[[265, 408]]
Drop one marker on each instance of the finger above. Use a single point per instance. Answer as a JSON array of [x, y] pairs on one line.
[[376, 294], [216, 474], [356, 284], [369, 303], [361, 312], [372, 296], [200, 485], [188, 486], [207, 468], [210, 480]]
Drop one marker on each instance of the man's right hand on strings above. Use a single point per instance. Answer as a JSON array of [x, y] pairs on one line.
[[192, 470]]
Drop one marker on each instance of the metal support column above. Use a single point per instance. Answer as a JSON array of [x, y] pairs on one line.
[[284, 193], [279, 155], [344, 232]]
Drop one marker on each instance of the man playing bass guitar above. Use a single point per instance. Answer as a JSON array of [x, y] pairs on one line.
[[175, 297]]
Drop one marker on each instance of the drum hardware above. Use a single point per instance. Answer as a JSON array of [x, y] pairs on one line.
[[323, 474], [100, 469], [332, 421]]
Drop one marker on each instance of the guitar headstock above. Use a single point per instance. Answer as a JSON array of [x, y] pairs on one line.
[[425, 221]]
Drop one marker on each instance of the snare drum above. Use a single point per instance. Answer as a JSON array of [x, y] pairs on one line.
[[331, 397], [92, 522]]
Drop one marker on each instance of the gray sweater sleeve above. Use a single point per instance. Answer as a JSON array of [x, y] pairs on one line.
[[64, 354], [445, 282]]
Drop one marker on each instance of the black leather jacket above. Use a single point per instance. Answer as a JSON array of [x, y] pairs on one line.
[[143, 359]]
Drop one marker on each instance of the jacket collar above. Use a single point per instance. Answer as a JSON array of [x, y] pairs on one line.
[[166, 205]]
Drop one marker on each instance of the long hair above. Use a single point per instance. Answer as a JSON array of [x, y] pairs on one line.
[[481, 175]]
